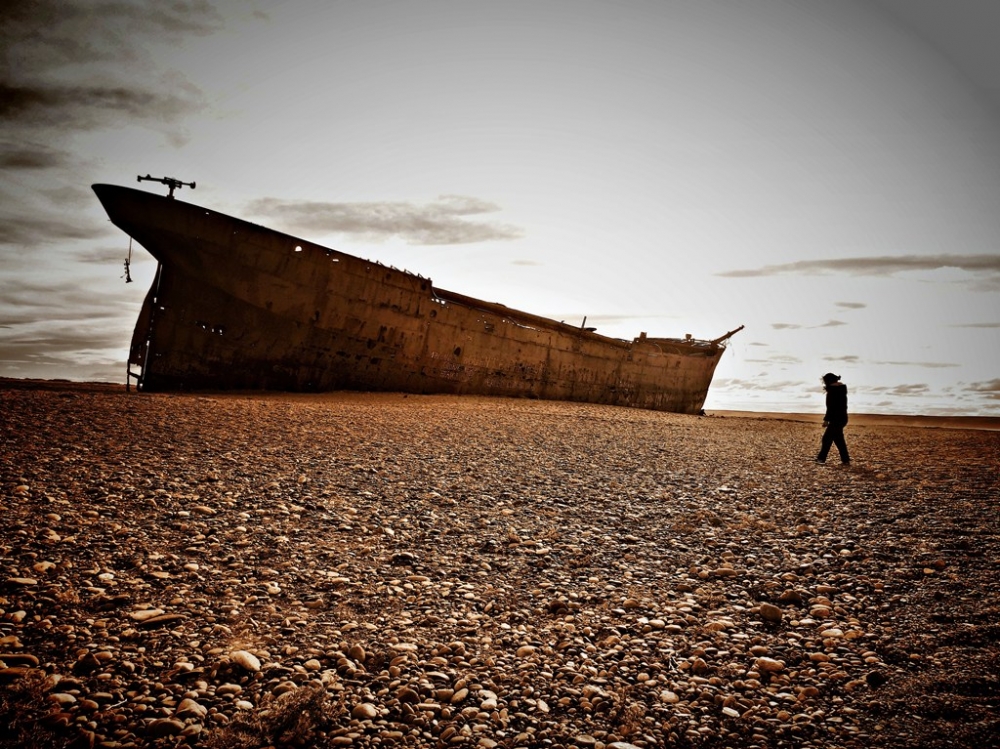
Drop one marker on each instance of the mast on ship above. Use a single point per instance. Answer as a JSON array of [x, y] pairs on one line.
[[726, 337], [170, 182]]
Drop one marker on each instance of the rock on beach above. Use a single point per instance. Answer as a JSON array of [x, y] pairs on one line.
[[361, 570]]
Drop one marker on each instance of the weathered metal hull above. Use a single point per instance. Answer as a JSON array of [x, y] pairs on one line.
[[238, 306]]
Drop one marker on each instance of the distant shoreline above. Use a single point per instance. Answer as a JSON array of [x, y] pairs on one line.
[[989, 423]]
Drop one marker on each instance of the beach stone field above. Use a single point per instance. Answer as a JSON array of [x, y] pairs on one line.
[[355, 570]]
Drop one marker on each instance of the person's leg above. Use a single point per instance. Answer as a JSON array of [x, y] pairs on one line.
[[841, 443], [824, 445]]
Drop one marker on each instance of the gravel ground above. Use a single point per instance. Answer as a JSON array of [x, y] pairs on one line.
[[361, 570]]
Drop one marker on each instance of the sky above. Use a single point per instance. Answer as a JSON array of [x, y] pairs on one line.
[[825, 173]]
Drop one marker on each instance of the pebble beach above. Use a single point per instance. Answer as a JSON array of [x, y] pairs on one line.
[[236, 571]]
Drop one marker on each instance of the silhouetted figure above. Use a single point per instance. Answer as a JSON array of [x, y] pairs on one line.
[[835, 418]]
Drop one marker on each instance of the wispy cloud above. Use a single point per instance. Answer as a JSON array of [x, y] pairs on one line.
[[74, 65], [75, 70], [86, 107], [63, 325], [31, 156], [908, 391], [54, 215], [114, 255], [31, 301], [923, 364], [851, 305], [54, 342], [32, 230], [57, 33], [796, 326], [990, 389], [986, 268], [780, 359], [444, 221], [761, 386]]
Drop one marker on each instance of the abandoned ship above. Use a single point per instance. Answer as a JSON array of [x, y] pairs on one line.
[[236, 306]]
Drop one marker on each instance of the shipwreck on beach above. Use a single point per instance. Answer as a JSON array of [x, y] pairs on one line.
[[236, 306]]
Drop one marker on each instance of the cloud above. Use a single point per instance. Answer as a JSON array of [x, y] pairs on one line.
[[53, 34], [850, 359], [88, 107], [29, 156], [440, 222], [73, 65], [29, 230], [61, 337], [782, 359], [64, 326], [851, 305], [778, 386], [26, 301], [797, 326], [988, 325], [62, 342], [51, 215], [908, 391], [989, 388], [985, 267], [70, 66], [26, 231], [925, 365], [614, 319], [111, 255]]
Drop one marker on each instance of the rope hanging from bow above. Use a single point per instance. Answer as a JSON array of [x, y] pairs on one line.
[[128, 261]]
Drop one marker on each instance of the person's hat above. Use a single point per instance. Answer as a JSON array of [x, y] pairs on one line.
[[829, 378]]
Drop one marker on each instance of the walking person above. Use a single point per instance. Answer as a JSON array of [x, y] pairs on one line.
[[835, 418]]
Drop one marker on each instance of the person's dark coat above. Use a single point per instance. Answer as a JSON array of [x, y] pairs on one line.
[[836, 404]]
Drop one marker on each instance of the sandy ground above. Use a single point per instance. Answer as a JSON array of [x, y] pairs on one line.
[[382, 570]]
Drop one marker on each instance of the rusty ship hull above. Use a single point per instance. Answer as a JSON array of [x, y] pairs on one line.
[[238, 306]]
